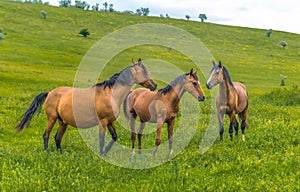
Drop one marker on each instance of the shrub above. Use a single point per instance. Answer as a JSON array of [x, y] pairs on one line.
[[283, 44], [84, 32]]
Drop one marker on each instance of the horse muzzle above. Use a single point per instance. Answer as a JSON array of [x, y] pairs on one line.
[[149, 84], [201, 98], [208, 86]]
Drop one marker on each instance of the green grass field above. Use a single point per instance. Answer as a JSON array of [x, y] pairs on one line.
[[41, 54]]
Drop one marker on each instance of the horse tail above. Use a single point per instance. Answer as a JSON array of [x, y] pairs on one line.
[[33, 108], [125, 105]]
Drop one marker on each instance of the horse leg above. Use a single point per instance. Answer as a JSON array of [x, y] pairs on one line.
[[113, 133], [133, 133], [221, 121], [59, 134], [160, 123], [236, 128], [232, 124], [243, 116], [51, 123], [140, 134], [170, 134], [102, 129]]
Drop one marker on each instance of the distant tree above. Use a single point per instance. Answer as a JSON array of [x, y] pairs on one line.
[[105, 5], [78, 4], [2, 36], [44, 14], [161, 15], [187, 17], [202, 17], [283, 44], [84, 32], [145, 11], [95, 7], [82, 5], [138, 12], [269, 32], [167, 15], [111, 8], [65, 3]]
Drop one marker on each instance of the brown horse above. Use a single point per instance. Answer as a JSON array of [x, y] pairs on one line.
[[232, 99], [87, 107], [159, 107]]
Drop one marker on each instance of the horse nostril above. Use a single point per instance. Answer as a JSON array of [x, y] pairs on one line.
[[201, 98], [207, 86]]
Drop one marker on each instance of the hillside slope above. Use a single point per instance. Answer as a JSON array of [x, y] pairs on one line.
[[39, 55]]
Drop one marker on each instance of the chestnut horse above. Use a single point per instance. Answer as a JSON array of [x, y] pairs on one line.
[[159, 107], [231, 100], [87, 107]]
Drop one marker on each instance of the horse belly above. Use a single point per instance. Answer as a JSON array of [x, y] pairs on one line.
[[83, 118], [79, 114]]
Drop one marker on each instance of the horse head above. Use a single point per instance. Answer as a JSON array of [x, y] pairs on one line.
[[216, 75], [193, 86], [141, 75]]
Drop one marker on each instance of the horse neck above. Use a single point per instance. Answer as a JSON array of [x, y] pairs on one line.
[[225, 89], [119, 92], [122, 87], [175, 94]]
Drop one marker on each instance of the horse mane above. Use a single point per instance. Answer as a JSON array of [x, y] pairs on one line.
[[227, 75], [172, 84], [110, 82]]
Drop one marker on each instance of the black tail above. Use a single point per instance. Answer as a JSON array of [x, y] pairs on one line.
[[33, 108]]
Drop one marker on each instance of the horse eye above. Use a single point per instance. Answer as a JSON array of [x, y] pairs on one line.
[[194, 83]]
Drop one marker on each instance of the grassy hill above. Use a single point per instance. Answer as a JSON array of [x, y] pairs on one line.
[[41, 54]]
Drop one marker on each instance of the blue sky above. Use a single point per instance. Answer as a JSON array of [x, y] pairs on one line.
[[265, 14]]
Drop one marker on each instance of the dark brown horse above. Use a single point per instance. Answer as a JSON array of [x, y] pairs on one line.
[[231, 100], [160, 107], [87, 107]]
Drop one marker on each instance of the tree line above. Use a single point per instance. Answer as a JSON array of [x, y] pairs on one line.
[[106, 7]]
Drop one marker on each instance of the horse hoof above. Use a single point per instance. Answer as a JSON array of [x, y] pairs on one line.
[[243, 137], [171, 152], [140, 151], [133, 152]]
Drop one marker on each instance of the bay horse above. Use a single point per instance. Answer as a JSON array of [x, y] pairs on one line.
[[87, 107], [159, 107], [231, 100]]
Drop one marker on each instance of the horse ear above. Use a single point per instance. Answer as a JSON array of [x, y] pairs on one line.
[[140, 61], [214, 63], [220, 64], [191, 72], [132, 60]]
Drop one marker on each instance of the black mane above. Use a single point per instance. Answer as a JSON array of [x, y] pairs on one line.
[[227, 75], [110, 82], [166, 89], [174, 82]]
